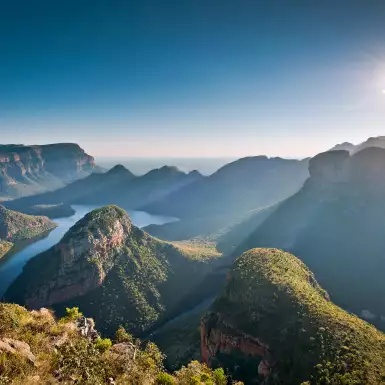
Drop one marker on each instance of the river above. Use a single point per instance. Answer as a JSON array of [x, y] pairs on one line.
[[11, 265]]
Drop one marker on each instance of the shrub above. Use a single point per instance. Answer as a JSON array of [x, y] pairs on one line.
[[164, 379], [72, 314], [122, 336], [103, 344]]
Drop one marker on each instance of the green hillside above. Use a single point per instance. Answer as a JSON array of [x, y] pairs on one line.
[[286, 325], [15, 226]]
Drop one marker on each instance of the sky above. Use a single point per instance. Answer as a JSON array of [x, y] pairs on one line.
[[192, 78]]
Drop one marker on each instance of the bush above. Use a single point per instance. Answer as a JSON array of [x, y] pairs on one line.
[[103, 344], [72, 314], [122, 336], [220, 377], [164, 379]]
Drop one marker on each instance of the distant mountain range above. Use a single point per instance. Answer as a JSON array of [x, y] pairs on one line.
[[27, 170], [216, 202], [378, 141], [117, 186]]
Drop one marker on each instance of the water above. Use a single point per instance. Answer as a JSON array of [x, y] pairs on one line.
[[12, 264]]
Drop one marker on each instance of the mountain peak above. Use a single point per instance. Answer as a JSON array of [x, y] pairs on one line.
[[165, 171], [119, 169], [100, 223]]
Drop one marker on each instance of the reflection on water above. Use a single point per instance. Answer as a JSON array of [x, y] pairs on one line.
[[11, 265]]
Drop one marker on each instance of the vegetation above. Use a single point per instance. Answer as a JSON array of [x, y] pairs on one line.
[[134, 279], [35, 348], [198, 249], [272, 296], [16, 226]]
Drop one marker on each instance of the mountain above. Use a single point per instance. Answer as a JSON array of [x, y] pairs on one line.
[[274, 324], [117, 186], [213, 204], [27, 170], [346, 146], [378, 141], [335, 224], [16, 226], [242, 185], [113, 271], [38, 348]]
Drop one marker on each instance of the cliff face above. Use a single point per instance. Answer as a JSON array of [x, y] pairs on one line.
[[26, 170], [110, 269], [274, 324]]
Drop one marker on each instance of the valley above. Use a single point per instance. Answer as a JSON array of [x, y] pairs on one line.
[[217, 285]]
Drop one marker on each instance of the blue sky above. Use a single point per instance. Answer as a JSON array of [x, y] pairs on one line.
[[192, 78]]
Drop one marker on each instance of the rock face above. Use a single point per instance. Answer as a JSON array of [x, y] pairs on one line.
[[12, 346], [112, 270], [335, 225], [273, 324], [26, 170]]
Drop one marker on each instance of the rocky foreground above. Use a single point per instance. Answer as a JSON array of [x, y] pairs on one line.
[[36, 348]]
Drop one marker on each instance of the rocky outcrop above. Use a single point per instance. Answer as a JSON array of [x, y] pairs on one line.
[[105, 260], [84, 257], [12, 346], [26, 170]]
